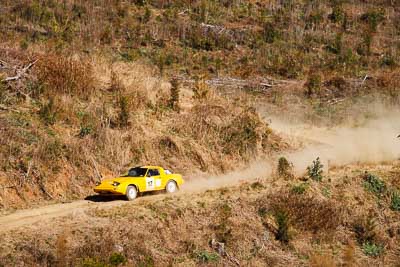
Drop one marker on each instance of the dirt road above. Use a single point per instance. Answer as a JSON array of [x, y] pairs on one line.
[[27, 217]]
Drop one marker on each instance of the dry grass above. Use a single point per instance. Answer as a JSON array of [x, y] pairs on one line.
[[322, 260], [308, 213], [66, 75], [229, 215]]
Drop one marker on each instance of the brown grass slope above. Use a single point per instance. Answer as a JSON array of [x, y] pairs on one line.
[[72, 119], [340, 221], [94, 102]]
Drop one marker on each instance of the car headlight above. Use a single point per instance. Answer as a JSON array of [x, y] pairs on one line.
[[115, 184]]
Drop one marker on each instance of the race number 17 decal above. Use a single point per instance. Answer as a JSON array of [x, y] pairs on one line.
[[149, 183]]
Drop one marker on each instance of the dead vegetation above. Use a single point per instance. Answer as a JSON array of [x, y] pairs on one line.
[[86, 91], [240, 225], [78, 122]]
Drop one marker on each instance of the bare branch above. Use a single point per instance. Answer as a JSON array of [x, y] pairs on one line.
[[20, 73]]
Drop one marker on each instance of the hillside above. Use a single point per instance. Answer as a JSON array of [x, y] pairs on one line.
[[87, 85], [282, 117], [347, 219]]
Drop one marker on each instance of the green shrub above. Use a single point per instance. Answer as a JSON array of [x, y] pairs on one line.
[[336, 46], [395, 201], [90, 262], [85, 130], [372, 249], [326, 192], [285, 168], [338, 14], [313, 85], [148, 261], [123, 116], [300, 188], [262, 212], [388, 61], [117, 259], [222, 230], [257, 186], [207, 257], [270, 33], [373, 18], [315, 170], [364, 48], [282, 220], [24, 44], [374, 184]]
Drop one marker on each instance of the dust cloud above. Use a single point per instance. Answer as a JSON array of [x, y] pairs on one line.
[[373, 141], [201, 182]]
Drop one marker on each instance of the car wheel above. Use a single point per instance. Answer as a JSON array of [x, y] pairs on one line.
[[131, 192], [171, 187]]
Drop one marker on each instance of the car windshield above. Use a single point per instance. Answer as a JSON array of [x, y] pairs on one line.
[[137, 172]]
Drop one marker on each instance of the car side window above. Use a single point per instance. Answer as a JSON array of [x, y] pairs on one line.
[[153, 172]]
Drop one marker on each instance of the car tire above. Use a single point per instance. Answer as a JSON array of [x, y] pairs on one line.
[[171, 187], [131, 192]]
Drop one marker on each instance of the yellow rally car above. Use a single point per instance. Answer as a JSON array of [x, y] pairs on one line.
[[140, 179]]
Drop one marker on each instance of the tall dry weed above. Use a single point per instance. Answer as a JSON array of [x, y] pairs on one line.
[[322, 260], [67, 75], [307, 212]]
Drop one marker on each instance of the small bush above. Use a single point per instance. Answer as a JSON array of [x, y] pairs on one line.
[[282, 220], [338, 14], [223, 232], [315, 170], [48, 113], [373, 18], [85, 130], [285, 168], [313, 85], [207, 257], [299, 189], [117, 259], [262, 212], [326, 192], [336, 46], [90, 262], [374, 184], [388, 61], [364, 48], [364, 229], [395, 201], [174, 98], [371, 249], [201, 90], [123, 116], [257, 186], [270, 33]]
